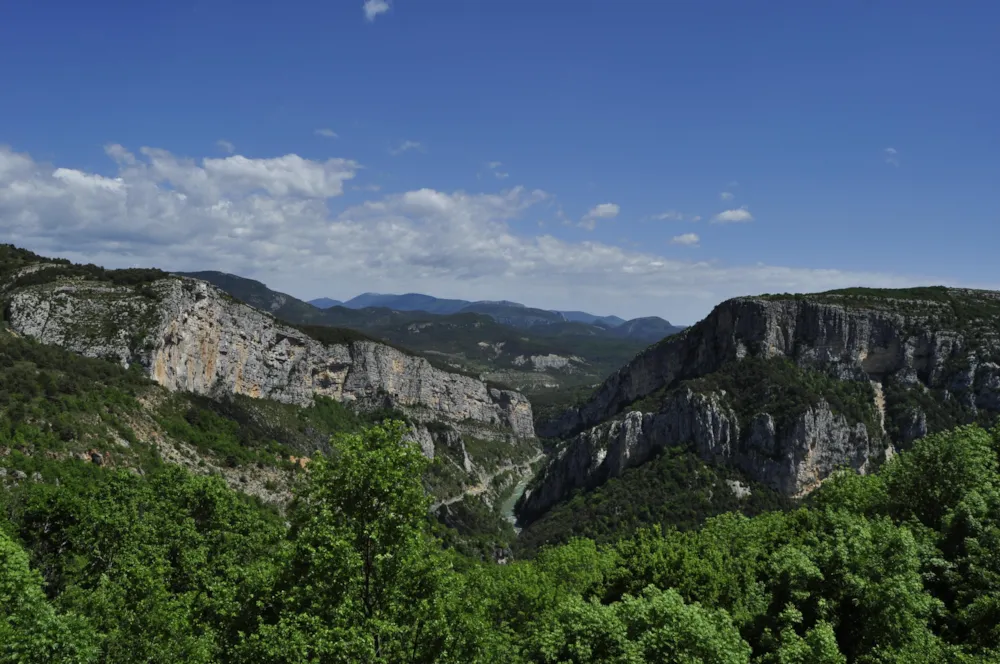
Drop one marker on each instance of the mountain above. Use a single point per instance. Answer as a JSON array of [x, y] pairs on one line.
[[650, 328], [259, 296], [542, 358], [514, 314], [591, 319], [325, 303], [407, 302], [788, 388], [503, 311], [193, 339]]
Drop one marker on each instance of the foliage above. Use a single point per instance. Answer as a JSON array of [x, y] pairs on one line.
[[363, 582], [31, 630], [975, 313], [164, 566], [676, 489]]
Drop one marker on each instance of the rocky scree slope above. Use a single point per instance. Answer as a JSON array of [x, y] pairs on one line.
[[789, 388]]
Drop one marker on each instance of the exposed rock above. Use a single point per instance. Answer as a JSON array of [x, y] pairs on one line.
[[793, 461], [550, 361], [739, 489], [913, 427], [190, 336], [848, 342]]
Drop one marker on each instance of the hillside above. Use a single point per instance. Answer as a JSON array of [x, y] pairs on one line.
[[788, 388], [515, 314], [169, 516], [548, 358], [321, 302], [211, 374]]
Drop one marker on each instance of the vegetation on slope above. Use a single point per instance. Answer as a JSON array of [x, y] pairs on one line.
[[903, 566], [779, 387], [675, 489], [974, 313]]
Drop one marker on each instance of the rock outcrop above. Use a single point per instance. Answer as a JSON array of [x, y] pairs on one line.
[[793, 461], [188, 335], [928, 354], [911, 345]]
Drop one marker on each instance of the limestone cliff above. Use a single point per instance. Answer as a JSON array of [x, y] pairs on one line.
[[907, 340], [792, 461], [190, 336], [870, 370]]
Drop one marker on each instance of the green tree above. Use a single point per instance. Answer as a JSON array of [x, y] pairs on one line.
[[31, 631], [363, 581]]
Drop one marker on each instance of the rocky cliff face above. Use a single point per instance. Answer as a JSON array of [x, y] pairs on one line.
[[189, 336], [931, 356], [793, 461], [912, 343]]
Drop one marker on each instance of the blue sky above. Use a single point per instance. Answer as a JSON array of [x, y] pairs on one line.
[[559, 153]]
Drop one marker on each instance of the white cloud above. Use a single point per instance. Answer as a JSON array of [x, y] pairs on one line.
[[406, 146], [688, 239], [727, 196], [275, 220], [225, 146], [734, 216], [891, 156], [493, 166], [674, 215], [326, 133], [602, 211], [373, 8]]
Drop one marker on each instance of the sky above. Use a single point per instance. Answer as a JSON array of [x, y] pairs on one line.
[[631, 158]]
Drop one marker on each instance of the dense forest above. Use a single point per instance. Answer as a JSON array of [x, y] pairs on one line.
[[114, 566]]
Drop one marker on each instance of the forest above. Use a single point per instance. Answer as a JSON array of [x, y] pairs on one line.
[[113, 566]]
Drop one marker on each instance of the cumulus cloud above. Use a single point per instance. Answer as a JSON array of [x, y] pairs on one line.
[[406, 146], [326, 133], [278, 220], [734, 216], [687, 239], [602, 211], [373, 8], [674, 215], [891, 156], [727, 195], [225, 146]]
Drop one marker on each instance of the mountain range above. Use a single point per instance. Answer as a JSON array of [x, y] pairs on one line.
[[758, 405], [534, 350], [513, 313], [776, 393]]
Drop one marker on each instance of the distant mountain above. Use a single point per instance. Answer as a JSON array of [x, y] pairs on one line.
[[260, 296], [325, 303], [591, 319], [649, 328], [407, 302], [503, 311], [514, 314], [540, 350]]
